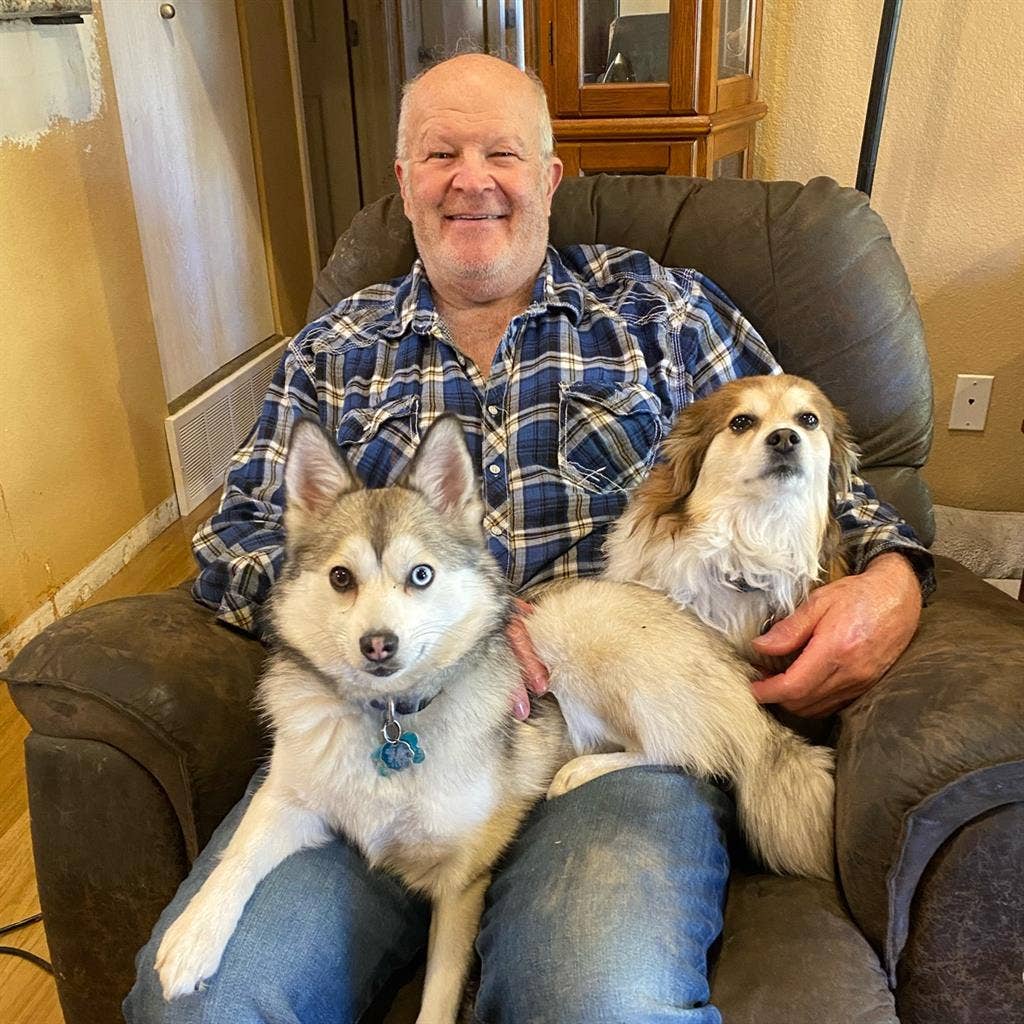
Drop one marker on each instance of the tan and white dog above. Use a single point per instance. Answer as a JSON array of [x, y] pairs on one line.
[[650, 662]]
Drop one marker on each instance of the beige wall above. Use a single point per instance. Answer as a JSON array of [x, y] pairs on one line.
[[82, 452], [948, 184]]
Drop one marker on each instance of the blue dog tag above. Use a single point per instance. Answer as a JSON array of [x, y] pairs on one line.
[[400, 750]]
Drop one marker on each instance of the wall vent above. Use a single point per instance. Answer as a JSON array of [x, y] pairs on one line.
[[204, 435]]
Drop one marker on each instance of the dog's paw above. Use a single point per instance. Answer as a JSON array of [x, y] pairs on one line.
[[189, 954]]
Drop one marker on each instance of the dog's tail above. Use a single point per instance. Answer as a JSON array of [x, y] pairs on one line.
[[785, 794]]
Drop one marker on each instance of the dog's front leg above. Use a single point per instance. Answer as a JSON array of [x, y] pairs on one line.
[[453, 927], [271, 829]]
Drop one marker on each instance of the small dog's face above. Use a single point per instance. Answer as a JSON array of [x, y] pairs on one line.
[[755, 439], [770, 435], [383, 587]]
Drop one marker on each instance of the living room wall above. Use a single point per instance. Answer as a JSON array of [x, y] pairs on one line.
[[82, 451], [947, 184]]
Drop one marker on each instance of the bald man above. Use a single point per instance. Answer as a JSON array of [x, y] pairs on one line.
[[565, 368]]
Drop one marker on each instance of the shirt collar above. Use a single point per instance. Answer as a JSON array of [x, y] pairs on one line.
[[555, 288]]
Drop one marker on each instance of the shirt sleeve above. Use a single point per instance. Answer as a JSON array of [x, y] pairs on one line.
[[719, 342], [871, 527], [241, 548]]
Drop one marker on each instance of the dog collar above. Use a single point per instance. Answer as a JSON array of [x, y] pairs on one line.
[[740, 584], [402, 707], [400, 749]]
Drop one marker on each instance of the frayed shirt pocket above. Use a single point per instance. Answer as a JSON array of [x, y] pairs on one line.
[[380, 440], [608, 434]]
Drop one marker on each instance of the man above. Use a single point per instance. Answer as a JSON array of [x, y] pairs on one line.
[[496, 327]]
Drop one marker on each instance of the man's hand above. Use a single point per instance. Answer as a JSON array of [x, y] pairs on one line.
[[851, 632], [532, 670]]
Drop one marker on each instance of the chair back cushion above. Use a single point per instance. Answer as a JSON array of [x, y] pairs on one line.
[[812, 266]]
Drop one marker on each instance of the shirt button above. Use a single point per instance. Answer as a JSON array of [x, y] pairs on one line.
[[494, 469], [496, 531], [493, 410]]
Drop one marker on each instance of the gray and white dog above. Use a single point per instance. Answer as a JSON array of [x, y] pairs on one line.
[[391, 607]]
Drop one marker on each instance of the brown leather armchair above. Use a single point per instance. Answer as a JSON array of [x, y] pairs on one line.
[[143, 737]]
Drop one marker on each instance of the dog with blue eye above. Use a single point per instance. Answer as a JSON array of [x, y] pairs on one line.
[[389, 686]]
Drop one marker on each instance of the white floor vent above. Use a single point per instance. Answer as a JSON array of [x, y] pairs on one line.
[[204, 435]]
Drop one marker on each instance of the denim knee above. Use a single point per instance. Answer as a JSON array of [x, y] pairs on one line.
[[606, 905]]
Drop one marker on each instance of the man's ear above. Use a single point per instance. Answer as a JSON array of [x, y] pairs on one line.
[[442, 470], [315, 472], [555, 176]]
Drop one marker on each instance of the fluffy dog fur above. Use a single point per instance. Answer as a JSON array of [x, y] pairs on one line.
[[736, 527], [349, 594]]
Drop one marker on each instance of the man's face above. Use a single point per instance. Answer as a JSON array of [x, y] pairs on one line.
[[474, 183]]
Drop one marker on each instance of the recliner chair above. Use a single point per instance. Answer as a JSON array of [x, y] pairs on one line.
[[143, 736]]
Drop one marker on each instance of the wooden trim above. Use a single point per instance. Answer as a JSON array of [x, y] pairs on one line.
[[738, 115], [683, 158], [631, 128], [570, 157], [707, 41], [685, 34], [625, 100], [625, 158], [735, 92], [567, 70]]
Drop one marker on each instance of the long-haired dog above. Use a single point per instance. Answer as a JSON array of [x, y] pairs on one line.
[[650, 662]]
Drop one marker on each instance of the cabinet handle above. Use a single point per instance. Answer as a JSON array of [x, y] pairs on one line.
[[167, 11]]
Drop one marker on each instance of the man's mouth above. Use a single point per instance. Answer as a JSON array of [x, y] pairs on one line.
[[475, 216]]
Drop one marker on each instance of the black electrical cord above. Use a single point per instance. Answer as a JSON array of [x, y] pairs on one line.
[[24, 953]]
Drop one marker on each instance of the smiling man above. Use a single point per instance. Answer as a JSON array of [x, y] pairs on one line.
[[566, 369]]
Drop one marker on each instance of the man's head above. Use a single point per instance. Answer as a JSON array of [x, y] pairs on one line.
[[477, 173]]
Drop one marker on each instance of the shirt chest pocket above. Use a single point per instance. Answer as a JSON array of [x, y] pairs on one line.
[[608, 434], [380, 440]]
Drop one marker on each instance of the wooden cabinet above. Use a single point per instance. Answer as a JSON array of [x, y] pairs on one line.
[[651, 86]]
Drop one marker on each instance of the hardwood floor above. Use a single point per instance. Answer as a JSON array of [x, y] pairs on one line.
[[27, 994]]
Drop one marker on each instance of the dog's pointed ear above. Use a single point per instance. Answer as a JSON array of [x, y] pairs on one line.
[[442, 469], [843, 457], [315, 472]]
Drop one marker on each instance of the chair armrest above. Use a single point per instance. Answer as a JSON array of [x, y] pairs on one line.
[[158, 678], [937, 743]]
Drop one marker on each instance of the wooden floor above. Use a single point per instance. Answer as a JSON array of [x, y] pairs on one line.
[[28, 995]]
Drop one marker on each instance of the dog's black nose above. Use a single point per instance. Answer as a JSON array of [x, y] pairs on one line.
[[378, 646], [782, 440]]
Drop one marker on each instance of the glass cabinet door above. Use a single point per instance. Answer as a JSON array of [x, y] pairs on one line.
[[620, 57]]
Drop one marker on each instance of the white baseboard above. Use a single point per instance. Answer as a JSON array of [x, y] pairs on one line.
[[81, 587]]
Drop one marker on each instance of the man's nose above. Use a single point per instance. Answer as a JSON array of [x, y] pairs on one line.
[[782, 440], [472, 174]]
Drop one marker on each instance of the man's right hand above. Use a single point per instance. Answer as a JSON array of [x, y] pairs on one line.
[[533, 672]]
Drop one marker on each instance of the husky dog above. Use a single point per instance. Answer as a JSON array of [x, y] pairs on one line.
[[731, 531], [389, 607]]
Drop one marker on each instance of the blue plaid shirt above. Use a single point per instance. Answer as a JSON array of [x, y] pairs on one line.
[[583, 387]]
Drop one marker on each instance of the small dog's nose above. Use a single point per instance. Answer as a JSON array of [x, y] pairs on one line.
[[782, 440], [378, 646]]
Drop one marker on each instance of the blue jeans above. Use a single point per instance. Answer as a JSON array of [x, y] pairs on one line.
[[602, 912]]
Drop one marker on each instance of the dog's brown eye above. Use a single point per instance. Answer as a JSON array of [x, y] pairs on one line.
[[808, 420], [740, 423], [341, 578]]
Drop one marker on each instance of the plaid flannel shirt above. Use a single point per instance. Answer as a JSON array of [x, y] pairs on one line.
[[584, 385]]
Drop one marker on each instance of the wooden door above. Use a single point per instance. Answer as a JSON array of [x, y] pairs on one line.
[[186, 131], [321, 29]]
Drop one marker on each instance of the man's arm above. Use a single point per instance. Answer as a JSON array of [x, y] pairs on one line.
[[851, 631], [239, 550]]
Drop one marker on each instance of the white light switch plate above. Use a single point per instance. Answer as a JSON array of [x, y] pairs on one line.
[[970, 401]]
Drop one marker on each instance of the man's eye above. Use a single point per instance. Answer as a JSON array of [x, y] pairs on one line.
[[808, 420], [740, 423], [504, 153], [341, 578], [439, 155], [421, 576]]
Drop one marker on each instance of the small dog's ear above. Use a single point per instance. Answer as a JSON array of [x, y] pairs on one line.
[[442, 470], [315, 472], [843, 457], [672, 480]]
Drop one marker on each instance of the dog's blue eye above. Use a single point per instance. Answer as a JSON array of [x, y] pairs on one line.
[[740, 423], [808, 420], [421, 576], [341, 578]]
